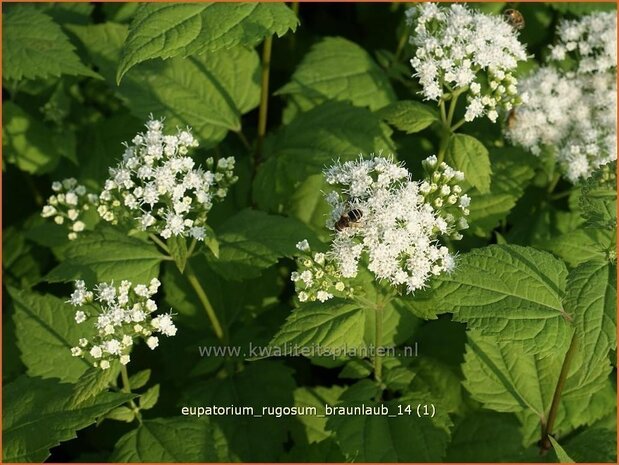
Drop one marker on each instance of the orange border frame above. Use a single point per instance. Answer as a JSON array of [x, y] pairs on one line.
[[264, 1]]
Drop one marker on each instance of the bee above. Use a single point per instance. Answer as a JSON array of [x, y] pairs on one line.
[[348, 219], [511, 118], [514, 18]]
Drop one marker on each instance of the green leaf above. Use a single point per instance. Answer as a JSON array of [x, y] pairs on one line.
[[512, 171], [149, 399], [36, 47], [253, 438], [314, 426], [338, 69], [408, 115], [485, 436], [467, 154], [598, 201], [593, 445], [46, 330], [335, 324], [384, 439], [42, 413], [27, 142], [166, 30], [592, 301], [94, 380], [252, 240], [139, 379], [334, 130], [121, 413], [582, 245], [561, 454], [208, 92], [509, 291], [177, 439], [177, 245], [108, 255], [504, 379]]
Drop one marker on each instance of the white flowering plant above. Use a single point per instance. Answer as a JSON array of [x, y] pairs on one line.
[[572, 99], [228, 238]]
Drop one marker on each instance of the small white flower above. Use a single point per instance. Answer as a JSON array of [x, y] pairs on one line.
[[152, 342], [96, 352], [303, 246], [458, 48], [116, 309], [69, 202], [157, 188]]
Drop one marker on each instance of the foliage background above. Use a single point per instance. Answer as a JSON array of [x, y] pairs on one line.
[[64, 114]]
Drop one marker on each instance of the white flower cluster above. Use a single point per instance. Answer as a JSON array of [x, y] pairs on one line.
[[590, 41], [68, 204], [462, 49], [159, 189], [121, 315], [318, 277], [573, 111], [384, 219]]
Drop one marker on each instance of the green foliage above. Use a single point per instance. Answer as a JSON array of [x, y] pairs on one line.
[[253, 240], [27, 142], [35, 46], [504, 379], [172, 440], [305, 146], [208, 92], [337, 69], [598, 201], [108, 255], [529, 307], [561, 454], [469, 155], [380, 438], [408, 116], [192, 29], [46, 330], [498, 289], [336, 324], [42, 413]]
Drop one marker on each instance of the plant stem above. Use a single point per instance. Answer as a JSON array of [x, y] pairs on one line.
[[378, 360], [401, 44], [452, 108], [191, 248], [547, 427], [443, 112], [457, 125], [210, 311], [244, 140], [125, 377], [553, 183], [127, 388], [264, 95], [159, 242]]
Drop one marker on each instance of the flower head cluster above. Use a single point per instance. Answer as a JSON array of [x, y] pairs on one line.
[[459, 48], [318, 277], [392, 224], [121, 314], [573, 112], [158, 188], [590, 42], [67, 205]]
